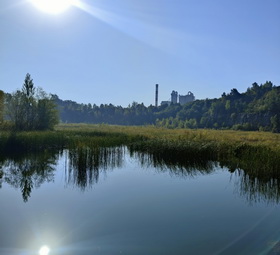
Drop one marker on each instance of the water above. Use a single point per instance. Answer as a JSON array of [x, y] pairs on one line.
[[112, 201]]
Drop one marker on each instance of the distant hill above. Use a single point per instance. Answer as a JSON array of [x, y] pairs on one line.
[[256, 109]]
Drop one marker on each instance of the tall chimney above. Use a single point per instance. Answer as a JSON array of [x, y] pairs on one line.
[[156, 103]]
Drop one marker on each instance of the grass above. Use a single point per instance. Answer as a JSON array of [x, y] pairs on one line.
[[35, 141], [216, 143], [266, 139], [180, 151], [249, 150], [258, 153]]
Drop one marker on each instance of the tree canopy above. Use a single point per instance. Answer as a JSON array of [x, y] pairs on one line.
[[1, 106], [31, 108]]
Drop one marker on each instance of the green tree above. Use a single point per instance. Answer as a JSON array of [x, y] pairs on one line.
[[28, 110], [47, 116], [234, 93], [275, 122], [28, 86], [29, 103], [15, 110], [1, 106]]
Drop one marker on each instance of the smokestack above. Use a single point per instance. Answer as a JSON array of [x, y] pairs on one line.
[[156, 103]]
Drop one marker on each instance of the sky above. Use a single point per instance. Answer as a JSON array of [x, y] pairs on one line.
[[115, 51]]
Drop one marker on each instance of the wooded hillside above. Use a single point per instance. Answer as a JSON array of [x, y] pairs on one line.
[[256, 109]]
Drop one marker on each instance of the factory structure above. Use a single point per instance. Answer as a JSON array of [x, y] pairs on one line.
[[175, 98], [156, 103]]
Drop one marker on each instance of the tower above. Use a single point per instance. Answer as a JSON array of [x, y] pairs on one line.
[[174, 97], [156, 100]]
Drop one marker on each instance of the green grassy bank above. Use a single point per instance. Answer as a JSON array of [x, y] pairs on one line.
[[248, 150], [255, 152], [269, 140]]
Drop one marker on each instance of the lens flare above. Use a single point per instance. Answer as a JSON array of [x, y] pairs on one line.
[[52, 6], [44, 250]]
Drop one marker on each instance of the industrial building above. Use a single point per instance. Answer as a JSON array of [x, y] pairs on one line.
[[187, 98], [175, 98], [156, 99]]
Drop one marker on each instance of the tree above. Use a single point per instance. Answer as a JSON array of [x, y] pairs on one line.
[[46, 114], [29, 103], [234, 93], [28, 86], [15, 110], [275, 122], [1, 106], [31, 109]]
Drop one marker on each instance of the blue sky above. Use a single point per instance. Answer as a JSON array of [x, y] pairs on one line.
[[115, 51]]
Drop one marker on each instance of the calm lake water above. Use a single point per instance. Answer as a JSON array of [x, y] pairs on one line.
[[112, 201]]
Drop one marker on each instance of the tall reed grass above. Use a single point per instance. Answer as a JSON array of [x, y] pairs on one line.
[[256, 150], [255, 155]]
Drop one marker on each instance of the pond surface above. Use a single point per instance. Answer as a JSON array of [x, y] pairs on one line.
[[114, 201]]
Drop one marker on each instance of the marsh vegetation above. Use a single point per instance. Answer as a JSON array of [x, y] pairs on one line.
[[106, 185], [259, 149], [254, 155]]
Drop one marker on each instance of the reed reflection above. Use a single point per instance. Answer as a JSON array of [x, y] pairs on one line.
[[175, 164], [257, 189], [85, 164], [1, 176], [257, 183]]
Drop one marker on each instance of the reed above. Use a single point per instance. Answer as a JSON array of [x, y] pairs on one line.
[[252, 148], [33, 141], [222, 137], [255, 155], [256, 152]]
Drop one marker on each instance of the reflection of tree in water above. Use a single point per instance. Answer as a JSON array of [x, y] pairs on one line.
[[258, 183], [30, 171], [1, 175], [85, 164]]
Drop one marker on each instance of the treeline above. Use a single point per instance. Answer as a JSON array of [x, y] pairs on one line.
[[256, 109], [134, 114]]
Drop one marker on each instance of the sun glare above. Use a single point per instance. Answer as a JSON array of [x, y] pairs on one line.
[[44, 250], [52, 6]]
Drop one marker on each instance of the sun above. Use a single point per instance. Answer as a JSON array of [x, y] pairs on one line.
[[52, 6], [44, 250]]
